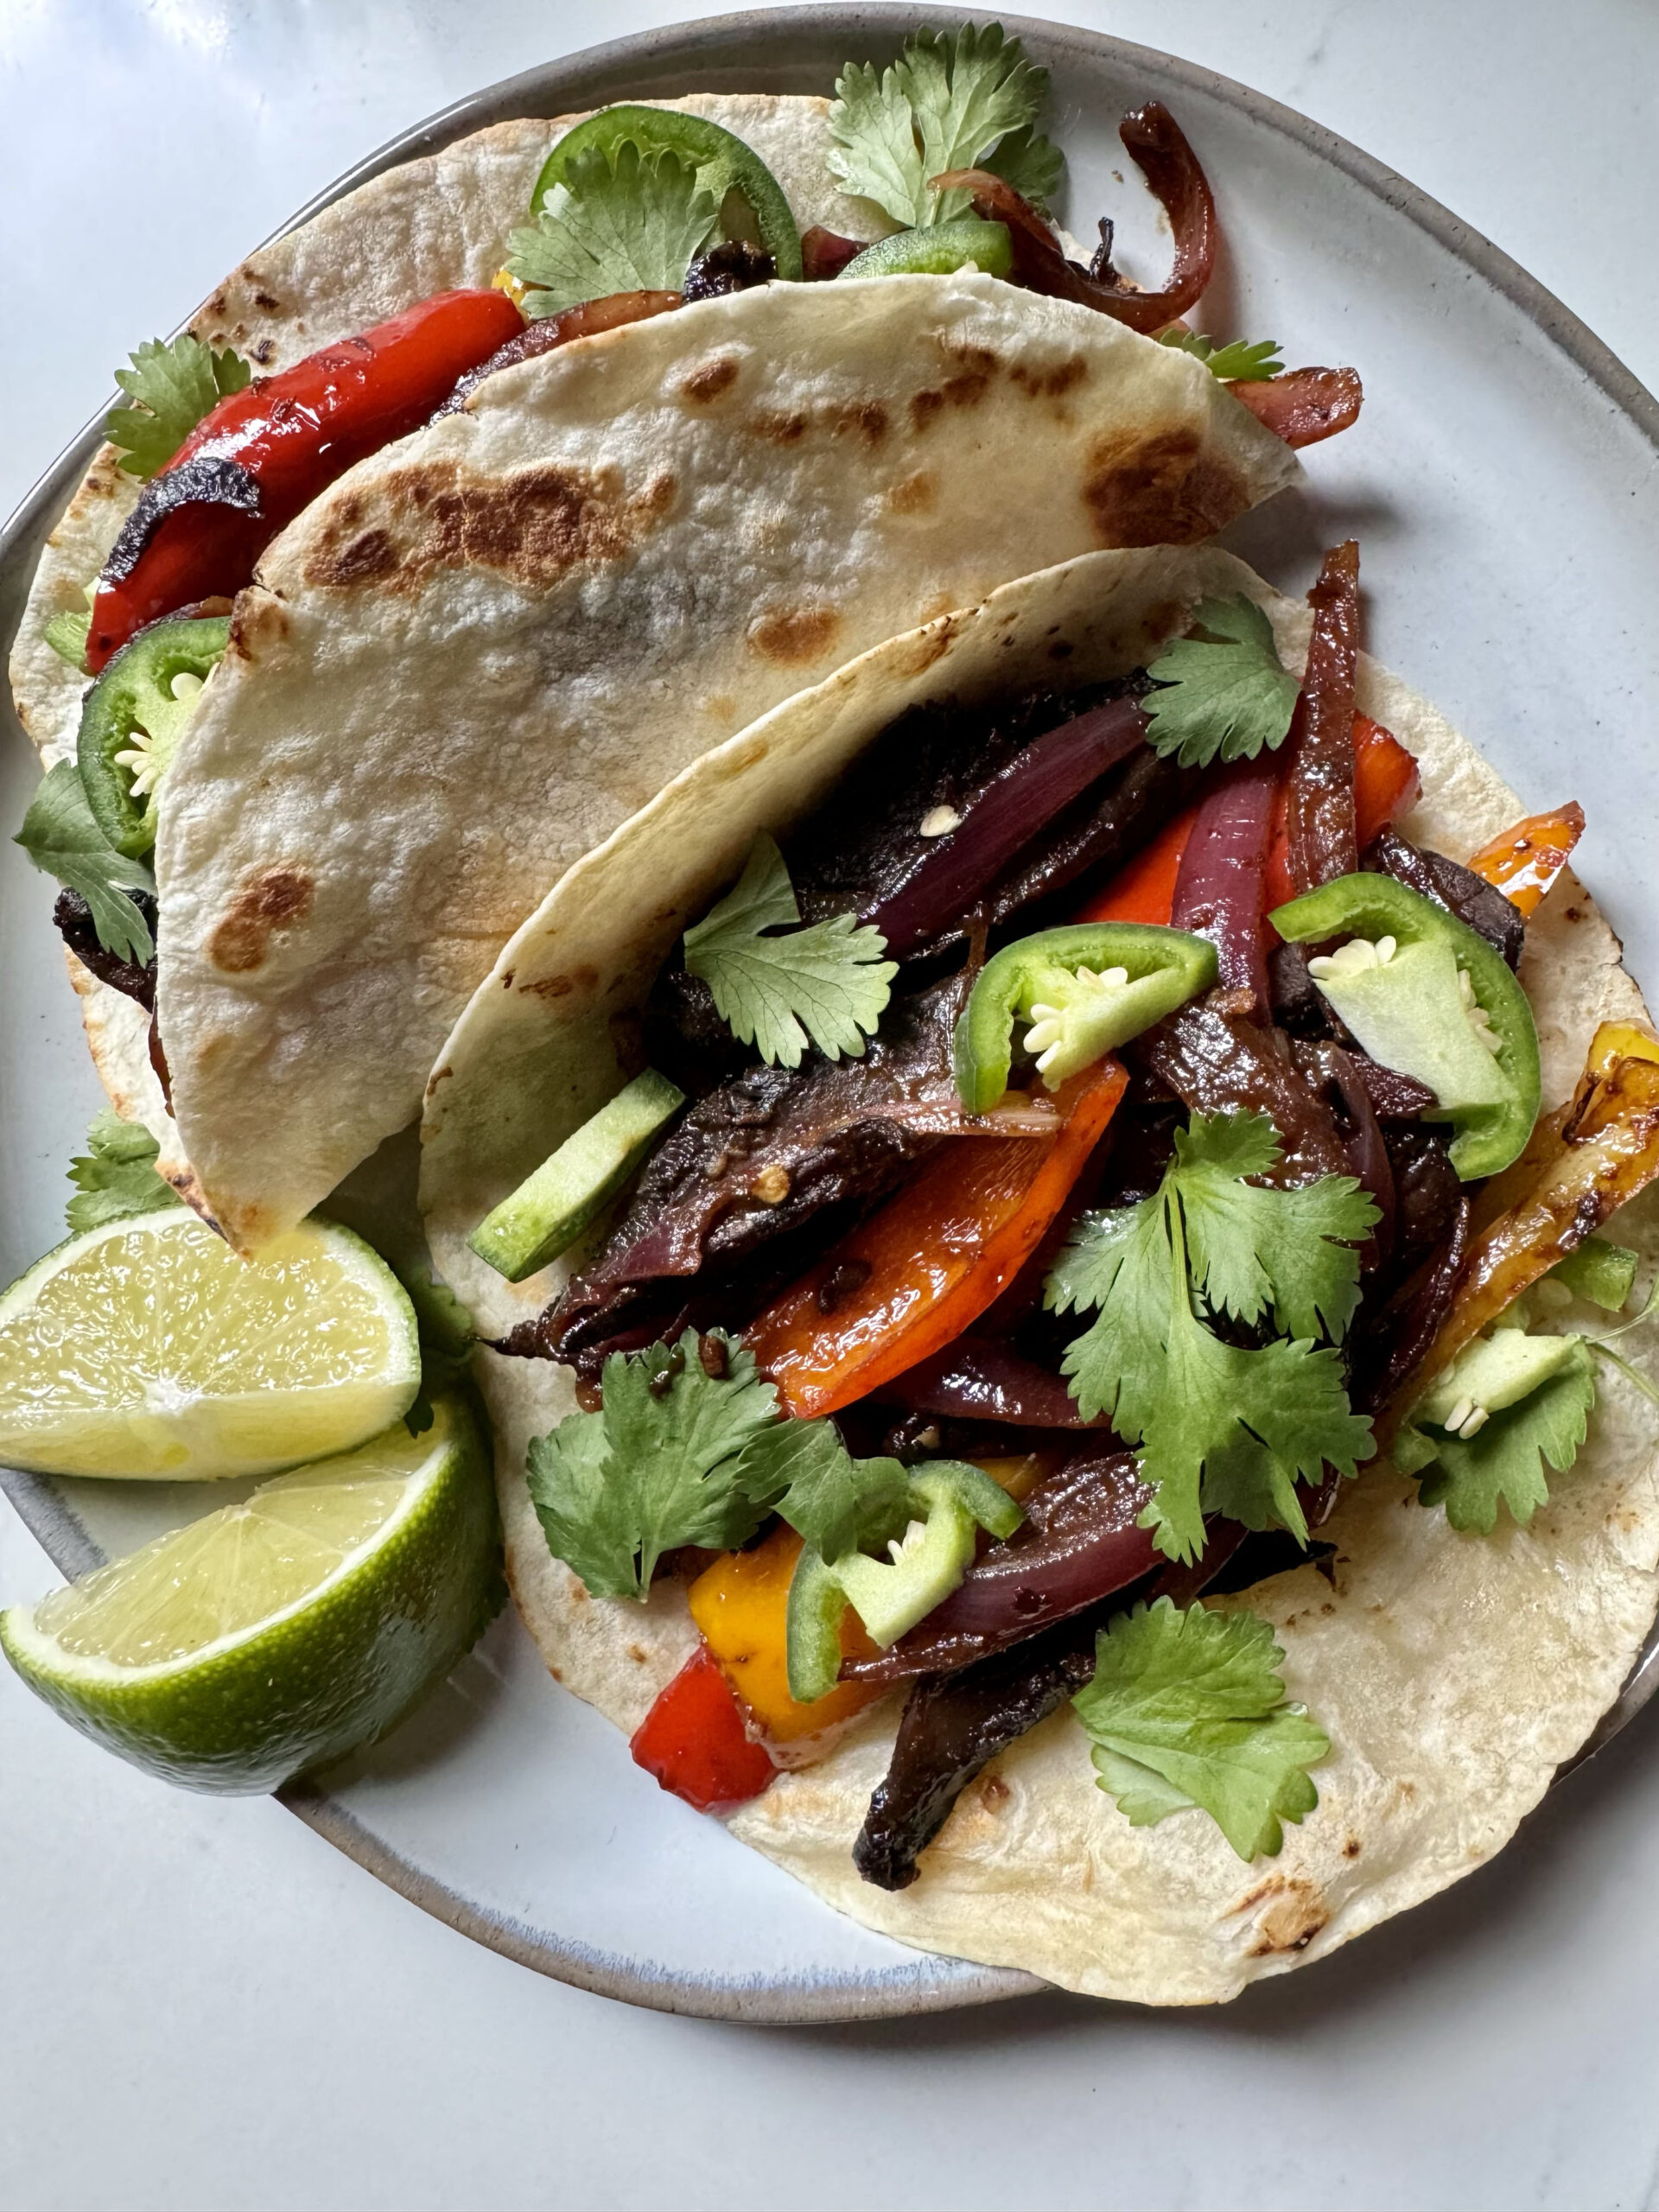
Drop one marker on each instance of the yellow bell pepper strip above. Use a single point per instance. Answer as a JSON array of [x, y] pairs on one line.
[[1083, 991], [723, 164], [742, 1605], [926, 1265], [1525, 861], [1399, 984], [1606, 1149], [950, 1501]]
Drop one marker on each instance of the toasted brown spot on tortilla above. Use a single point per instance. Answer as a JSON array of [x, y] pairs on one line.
[[864, 418], [932, 644], [438, 1076], [777, 428], [789, 634], [637, 1652], [268, 302], [1351, 1849], [559, 987], [924, 406], [1292, 1922], [915, 493], [1049, 384], [271, 900], [368, 555], [1161, 490], [534, 525], [709, 379], [968, 389], [264, 352], [257, 620]]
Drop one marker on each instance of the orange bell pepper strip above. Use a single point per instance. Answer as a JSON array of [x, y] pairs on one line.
[[933, 1259], [741, 1605], [1386, 785], [1525, 861], [695, 1742]]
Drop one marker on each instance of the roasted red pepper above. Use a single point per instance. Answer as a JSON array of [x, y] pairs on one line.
[[263, 455], [694, 1741]]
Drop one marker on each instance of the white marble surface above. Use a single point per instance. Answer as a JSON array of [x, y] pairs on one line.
[[208, 2006]]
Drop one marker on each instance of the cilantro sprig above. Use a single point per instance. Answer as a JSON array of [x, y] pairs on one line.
[[1224, 693], [675, 1455], [834, 1503], [620, 221], [970, 100], [169, 387], [1220, 1429], [1237, 362], [1505, 1461], [828, 982], [115, 1178], [62, 838], [1188, 1709]]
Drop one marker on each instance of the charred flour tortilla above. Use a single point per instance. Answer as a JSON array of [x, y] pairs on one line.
[[484, 648], [1453, 1673]]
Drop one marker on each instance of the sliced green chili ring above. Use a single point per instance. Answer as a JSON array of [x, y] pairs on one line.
[[952, 1499], [722, 161], [133, 708], [1164, 969], [937, 250], [1417, 1022]]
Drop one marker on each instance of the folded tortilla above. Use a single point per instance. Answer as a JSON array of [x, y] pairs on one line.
[[488, 645], [1453, 1672]]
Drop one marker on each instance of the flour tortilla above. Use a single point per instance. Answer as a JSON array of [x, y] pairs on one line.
[[490, 644], [1453, 1673]]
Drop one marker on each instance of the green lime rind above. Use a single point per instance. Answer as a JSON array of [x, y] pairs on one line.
[[325, 1674]]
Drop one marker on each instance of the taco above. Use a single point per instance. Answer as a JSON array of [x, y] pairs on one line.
[[1070, 1414], [623, 428]]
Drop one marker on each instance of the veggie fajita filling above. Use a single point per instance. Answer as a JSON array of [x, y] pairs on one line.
[[1081, 1146]]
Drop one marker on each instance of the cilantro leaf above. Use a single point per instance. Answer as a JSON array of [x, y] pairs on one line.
[[116, 1176], [1220, 1429], [656, 1468], [1296, 1250], [169, 388], [1188, 1710], [1033, 165], [947, 103], [67, 635], [620, 221], [61, 837], [1237, 362], [1503, 1462], [828, 982], [1226, 694], [835, 1503]]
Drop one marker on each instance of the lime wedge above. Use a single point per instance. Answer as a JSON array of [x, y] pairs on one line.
[[148, 1348], [281, 1632]]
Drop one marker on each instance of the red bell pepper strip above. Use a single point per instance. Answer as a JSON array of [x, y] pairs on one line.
[[269, 450], [694, 1741], [935, 1256], [1386, 785], [1321, 816]]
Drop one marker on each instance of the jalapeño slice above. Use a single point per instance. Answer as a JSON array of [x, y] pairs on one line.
[[938, 250], [133, 718], [723, 163]]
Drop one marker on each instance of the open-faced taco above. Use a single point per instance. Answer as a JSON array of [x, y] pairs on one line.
[[541, 465], [1036, 1218]]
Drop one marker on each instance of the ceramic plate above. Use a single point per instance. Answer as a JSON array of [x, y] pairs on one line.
[[1502, 485]]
